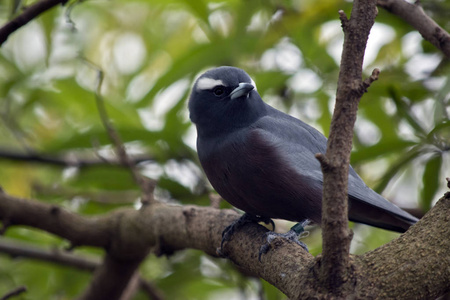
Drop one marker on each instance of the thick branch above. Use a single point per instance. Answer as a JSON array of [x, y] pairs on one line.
[[167, 228], [335, 164], [26, 16], [77, 229], [408, 266], [129, 234], [414, 15]]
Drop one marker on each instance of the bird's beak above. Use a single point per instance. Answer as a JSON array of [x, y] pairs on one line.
[[243, 89]]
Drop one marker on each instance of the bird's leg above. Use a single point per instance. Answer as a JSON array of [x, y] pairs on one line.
[[297, 231], [230, 229]]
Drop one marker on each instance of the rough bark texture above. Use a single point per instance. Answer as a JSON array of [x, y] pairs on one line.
[[407, 267], [415, 264], [335, 269], [414, 15]]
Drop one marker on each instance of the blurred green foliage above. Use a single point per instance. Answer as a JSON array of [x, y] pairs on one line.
[[150, 52]]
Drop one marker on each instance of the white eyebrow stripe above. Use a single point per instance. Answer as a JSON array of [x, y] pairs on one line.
[[253, 83], [206, 83]]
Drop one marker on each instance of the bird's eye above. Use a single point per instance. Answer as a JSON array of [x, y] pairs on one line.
[[218, 91]]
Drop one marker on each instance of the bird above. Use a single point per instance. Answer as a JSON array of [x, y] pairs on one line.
[[262, 161]]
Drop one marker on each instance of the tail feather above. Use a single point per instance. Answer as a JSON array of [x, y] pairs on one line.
[[387, 215]]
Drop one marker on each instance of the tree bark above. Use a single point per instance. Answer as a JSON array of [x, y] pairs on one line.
[[335, 268], [414, 15], [413, 266]]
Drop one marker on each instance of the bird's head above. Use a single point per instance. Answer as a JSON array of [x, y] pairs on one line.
[[224, 99]]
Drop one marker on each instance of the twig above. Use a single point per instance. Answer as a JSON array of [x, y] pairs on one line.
[[335, 267], [17, 249], [151, 289], [68, 13], [416, 17], [14, 292], [67, 160], [26, 16], [147, 185]]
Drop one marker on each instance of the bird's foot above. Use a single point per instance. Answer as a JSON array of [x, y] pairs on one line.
[[236, 225], [297, 231]]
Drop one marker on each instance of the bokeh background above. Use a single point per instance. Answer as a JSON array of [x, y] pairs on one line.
[[54, 148]]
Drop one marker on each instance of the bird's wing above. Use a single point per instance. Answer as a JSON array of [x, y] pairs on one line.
[[294, 141], [297, 143]]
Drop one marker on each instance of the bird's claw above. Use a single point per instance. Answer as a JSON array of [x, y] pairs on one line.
[[293, 235], [230, 229], [227, 233]]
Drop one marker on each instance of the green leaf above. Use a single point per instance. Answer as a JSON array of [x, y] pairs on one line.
[[383, 148], [200, 8], [430, 179], [104, 177], [396, 167], [440, 136], [194, 60], [404, 110]]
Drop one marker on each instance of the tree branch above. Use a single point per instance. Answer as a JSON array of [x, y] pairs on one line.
[[168, 228], [77, 229], [147, 185], [26, 16], [335, 266], [67, 160], [416, 17], [16, 249], [14, 292], [395, 266], [111, 278]]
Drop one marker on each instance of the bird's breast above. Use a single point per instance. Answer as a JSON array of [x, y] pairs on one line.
[[251, 176]]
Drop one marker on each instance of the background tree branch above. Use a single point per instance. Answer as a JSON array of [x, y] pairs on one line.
[[22, 250], [146, 184], [414, 15], [26, 16], [67, 160], [15, 292]]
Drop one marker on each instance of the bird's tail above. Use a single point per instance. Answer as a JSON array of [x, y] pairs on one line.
[[383, 215]]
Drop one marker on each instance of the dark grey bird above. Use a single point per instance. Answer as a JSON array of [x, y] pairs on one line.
[[262, 160]]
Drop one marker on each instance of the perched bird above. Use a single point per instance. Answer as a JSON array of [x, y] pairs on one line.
[[262, 160]]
